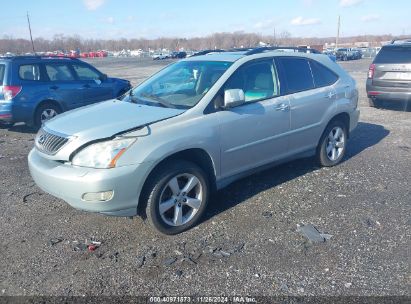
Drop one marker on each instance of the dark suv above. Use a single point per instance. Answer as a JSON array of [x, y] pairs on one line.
[[389, 76], [34, 89]]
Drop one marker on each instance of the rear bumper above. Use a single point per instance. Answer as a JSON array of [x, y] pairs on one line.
[[388, 93], [5, 111]]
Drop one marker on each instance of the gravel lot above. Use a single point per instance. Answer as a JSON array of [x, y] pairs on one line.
[[248, 244]]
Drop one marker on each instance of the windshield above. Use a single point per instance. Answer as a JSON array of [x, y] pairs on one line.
[[180, 85]]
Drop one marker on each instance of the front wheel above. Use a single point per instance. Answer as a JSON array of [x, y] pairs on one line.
[[45, 112], [178, 196], [332, 145]]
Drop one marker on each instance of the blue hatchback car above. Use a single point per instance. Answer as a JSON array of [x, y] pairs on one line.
[[34, 89]]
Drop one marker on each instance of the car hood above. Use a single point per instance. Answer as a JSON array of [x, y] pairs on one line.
[[107, 118]]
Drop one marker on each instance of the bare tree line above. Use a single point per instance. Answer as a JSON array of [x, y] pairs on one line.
[[61, 42]]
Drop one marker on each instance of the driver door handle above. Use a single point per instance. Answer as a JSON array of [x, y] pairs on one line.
[[282, 107]]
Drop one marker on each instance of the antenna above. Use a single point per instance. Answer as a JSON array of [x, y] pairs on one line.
[[31, 37], [338, 32]]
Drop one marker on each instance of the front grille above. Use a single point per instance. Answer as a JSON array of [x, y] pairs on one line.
[[49, 143]]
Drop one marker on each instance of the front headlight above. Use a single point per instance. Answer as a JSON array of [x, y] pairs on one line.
[[103, 154]]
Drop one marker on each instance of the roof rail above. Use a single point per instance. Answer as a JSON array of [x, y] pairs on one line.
[[205, 52], [38, 57], [404, 40], [278, 48]]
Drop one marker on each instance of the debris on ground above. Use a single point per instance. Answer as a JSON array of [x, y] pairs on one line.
[[179, 273], [140, 261], [267, 214], [114, 256], [170, 261], [25, 198], [87, 245], [312, 233], [55, 241]]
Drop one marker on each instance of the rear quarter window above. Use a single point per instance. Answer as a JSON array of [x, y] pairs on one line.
[[323, 76], [2, 72], [29, 72], [394, 55], [297, 74]]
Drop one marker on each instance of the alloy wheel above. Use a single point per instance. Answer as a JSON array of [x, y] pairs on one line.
[[47, 114], [180, 199], [335, 143]]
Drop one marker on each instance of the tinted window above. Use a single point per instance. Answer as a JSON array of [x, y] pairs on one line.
[[58, 72], [85, 73], [258, 80], [394, 55], [2, 70], [29, 72], [322, 76], [297, 74]]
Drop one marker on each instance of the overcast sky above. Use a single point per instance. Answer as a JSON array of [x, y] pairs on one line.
[[183, 18]]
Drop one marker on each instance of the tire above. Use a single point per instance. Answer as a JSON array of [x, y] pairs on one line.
[[49, 108], [6, 125], [333, 144], [165, 186], [373, 102]]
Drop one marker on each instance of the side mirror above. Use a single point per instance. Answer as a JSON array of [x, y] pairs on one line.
[[103, 77], [233, 98]]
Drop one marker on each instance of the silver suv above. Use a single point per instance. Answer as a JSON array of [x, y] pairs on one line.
[[193, 128]]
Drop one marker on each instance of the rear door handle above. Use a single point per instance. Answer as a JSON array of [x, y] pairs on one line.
[[54, 87], [283, 107], [331, 95]]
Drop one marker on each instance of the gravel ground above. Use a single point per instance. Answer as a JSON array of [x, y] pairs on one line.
[[248, 243]]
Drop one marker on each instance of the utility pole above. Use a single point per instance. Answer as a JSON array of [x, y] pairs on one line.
[[338, 32], [31, 37], [275, 38]]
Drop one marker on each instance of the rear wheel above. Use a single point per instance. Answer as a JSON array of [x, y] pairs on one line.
[[45, 112], [177, 197], [332, 145]]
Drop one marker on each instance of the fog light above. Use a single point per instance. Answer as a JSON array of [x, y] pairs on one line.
[[98, 196]]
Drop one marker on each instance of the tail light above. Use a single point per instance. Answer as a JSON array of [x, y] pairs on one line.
[[10, 92], [371, 71]]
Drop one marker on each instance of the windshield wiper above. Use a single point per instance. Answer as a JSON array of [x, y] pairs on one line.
[[159, 100]]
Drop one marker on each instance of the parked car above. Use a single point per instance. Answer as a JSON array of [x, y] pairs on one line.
[[34, 89], [389, 75], [345, 54], [331, 55], [178, 55], [357, 53], [165, 147], [160, 56]]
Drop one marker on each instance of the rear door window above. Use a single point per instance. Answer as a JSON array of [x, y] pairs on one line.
[[59, 72], [85, 73], [394, 55], [2, 72], [297, 74], [322, 76], [29, 72]]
